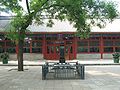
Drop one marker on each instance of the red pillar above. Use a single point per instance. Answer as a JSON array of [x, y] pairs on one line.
[[75, 47], [5, 48], [43, 47], [113, 45], [16, 49], [101, 47], [30, 46], [88, 41]]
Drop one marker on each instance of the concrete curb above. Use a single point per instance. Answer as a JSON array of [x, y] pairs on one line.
[[23, 65]]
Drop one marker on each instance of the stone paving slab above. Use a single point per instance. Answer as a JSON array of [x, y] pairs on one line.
[[41, 62], [97, 78]]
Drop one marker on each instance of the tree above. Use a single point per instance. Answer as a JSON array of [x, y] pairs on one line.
[[83, 14]]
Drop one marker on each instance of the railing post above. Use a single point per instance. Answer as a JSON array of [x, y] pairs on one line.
[[44, 71], [77, 68], [82, 71]]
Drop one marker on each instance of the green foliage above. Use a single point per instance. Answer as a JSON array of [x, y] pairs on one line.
[[96, 11], [111, 11], [50, 23], [4, 55], [13, 30], [11, 33], [83, 14], [12, 5], [116, 55]]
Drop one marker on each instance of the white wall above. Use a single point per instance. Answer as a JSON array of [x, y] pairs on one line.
[[28, 56], [93, 56]]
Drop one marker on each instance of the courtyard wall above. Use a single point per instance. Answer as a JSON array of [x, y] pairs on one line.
[[35, 56]]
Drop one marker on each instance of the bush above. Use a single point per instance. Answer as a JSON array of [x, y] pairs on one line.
[[4, 57], [116, 55]]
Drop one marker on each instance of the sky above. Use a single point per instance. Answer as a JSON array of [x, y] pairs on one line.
[[23, 3], [116, 1], [110, 27]]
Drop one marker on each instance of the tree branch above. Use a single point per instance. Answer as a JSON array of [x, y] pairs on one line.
[[37, 10], [44, 3], [27, 6], [54, 5]]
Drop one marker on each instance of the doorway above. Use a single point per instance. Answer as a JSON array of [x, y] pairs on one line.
[[56, 50]]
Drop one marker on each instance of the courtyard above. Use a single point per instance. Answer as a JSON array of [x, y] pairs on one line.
[[96, 78]]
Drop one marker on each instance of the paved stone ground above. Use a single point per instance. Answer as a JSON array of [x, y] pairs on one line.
[[97, 78], [41, 62]]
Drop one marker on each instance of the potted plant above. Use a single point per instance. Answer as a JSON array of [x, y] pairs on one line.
[[4, 57], [116, 56]]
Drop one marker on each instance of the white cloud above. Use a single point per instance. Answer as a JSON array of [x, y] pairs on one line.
[[66, 27], [110, 27], [23, 4]]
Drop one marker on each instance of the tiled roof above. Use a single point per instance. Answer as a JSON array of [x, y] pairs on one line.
[[5, 17], [3, 24], [62, 26]]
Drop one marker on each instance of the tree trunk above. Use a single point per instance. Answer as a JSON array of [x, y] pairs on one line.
[[21, 42], [20, 53]]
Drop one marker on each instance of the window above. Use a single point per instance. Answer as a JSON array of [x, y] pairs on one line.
[[94, 49], [117, 43], [68, 36], [52, 49], [36, 44], [26, 50], [48, 49], [66, 49], [1, 50], [26, 44], [36, 50], [57, 49], [36, 47], [48, 38], [71, 49], [108, 43], [51, 36], [11, 50], [88, 46], [82, 49], [82, 43], [50, 42], [69, 42], [37, 38], [117, 49], [54, 38], [10, 44], [94, 46], [108, 49], [2, 44], [11, 47], [94, 43]]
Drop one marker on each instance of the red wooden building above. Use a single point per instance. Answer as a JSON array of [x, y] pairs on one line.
[[49, 43]]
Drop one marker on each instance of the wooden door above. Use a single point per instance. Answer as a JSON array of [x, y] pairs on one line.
[[54, 51]]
